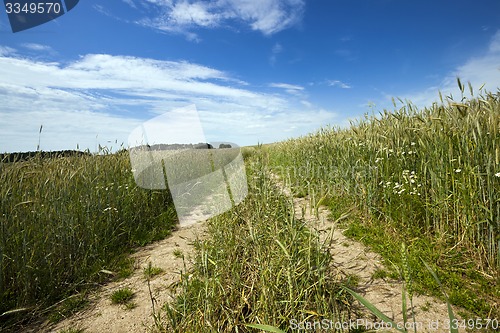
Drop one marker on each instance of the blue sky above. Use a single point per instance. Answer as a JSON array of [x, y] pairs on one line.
[[256, 70]]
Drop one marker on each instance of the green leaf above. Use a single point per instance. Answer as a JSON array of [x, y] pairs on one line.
[[266, 328], [283, 248], [404, 306], [451, 316], [373, 309]]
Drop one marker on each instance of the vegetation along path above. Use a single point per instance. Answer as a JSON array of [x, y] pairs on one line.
[[353, 260], [162, 263]]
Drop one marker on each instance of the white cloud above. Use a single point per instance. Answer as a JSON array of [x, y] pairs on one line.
[[286, 86], [337, 83], [495, 43], [289, 88], [37, 47], [130, 3], [182, 16], [100, 98], [277, 48], [184, 13]]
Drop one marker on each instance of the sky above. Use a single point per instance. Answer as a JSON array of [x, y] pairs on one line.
[[257, 71]]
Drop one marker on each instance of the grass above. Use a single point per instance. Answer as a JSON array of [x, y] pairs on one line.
[[258, 265], [427, 177], [64, 221], [122, 296], [68, 307]]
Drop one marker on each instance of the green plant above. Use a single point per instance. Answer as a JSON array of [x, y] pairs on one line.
[[122, 296], [402, 328], [178, 253], [380, 273], [68, 307], [151, 271]]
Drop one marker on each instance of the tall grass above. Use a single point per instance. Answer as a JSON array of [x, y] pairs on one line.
[[434, 171], [260, 264], [63, 220], [430, 177]]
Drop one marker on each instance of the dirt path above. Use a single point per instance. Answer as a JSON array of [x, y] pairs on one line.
[[349, 258], [355, 259], [103, 316]]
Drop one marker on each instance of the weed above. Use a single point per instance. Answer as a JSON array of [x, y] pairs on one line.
[[380, 273]]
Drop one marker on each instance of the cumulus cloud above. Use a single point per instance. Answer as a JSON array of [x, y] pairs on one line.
[[100, 98], [181, 16]]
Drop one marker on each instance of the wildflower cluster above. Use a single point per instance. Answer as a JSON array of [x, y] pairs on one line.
[[408, 184]]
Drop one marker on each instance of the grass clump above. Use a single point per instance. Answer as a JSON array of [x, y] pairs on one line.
[[122, 296], [178, 253]]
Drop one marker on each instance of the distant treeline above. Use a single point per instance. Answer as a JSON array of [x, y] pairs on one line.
[[24, 156], [178, 146]]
